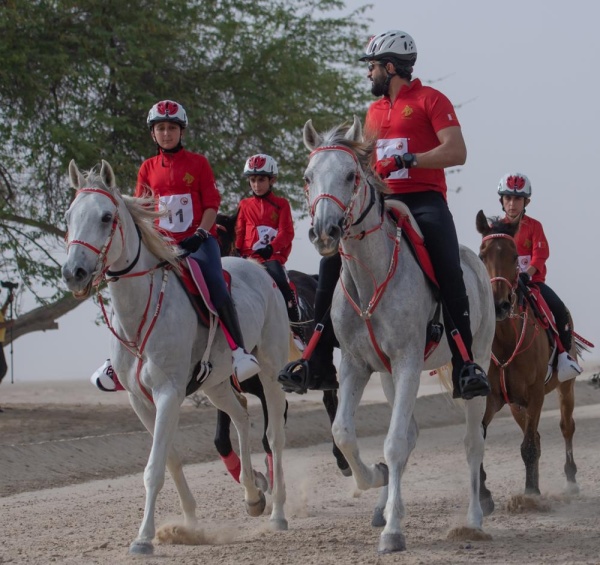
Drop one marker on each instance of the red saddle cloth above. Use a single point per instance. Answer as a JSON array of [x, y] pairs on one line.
[[541, 309], [416, 242], [195, 285]]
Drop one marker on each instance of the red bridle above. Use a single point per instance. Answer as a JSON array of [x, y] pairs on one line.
[[102, 253], [511, 285]]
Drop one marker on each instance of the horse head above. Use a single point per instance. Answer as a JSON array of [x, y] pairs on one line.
[[92, 221], [498, 251], [333, 179]]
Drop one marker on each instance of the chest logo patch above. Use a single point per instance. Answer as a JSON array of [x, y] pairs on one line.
[[407, 111], [188, 178]]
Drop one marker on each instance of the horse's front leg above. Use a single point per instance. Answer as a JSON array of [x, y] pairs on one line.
[[330, 401], [474, 446], [353, 379], [399, 444], [224, 398], [529, 420], [167, 402], [275, 400]]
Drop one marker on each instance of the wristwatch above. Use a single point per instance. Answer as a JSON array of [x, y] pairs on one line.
[[410, 160]]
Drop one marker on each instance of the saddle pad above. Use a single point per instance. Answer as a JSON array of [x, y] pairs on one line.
[[402, 216], [195, 284]]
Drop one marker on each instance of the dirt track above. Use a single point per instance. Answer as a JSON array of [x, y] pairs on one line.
[[94, 522]]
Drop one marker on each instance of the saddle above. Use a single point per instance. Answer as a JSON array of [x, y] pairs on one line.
[[194, 284], [400, 213]]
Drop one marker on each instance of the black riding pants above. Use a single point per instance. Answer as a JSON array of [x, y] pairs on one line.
[[278, 274], [561, 314]]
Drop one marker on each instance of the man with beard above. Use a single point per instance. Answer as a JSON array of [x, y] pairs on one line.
[[417, 136]]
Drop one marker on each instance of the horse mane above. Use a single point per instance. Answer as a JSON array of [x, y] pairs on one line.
[[144, 214], [498, 225], [363, 149]]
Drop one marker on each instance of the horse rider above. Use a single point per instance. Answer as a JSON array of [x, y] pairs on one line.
[[265, 229], [417, 136], [532, 246], [183, 184]]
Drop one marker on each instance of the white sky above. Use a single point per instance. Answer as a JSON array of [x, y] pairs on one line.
[[510, 65]]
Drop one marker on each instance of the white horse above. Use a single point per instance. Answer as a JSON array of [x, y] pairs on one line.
[[380, 311], [158, 342]]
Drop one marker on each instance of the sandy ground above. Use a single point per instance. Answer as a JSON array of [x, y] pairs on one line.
[[71, 488]]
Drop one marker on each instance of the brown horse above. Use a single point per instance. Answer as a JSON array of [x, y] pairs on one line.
[[519, 374]]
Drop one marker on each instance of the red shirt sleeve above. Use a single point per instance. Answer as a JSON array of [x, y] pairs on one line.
[[285, 230]]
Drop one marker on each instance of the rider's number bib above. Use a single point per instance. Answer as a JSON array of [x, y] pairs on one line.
[[180, 212], [266, 234], [389, 147]]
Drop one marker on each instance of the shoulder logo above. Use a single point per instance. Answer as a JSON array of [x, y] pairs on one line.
[[407, 111]]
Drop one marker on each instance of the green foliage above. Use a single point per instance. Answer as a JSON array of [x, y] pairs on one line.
[[78, 78]]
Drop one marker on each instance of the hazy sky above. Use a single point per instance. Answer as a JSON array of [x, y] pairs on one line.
[[507, 66]]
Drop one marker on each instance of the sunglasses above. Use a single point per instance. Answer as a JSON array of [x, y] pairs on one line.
[[371, 65]]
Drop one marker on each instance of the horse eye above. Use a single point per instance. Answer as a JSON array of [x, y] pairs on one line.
[[107, 217], [350, 176], [306, 180]]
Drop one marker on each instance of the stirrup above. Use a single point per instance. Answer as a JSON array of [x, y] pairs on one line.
[[294, 377], [472, 381], [567, 367], [245, 364]]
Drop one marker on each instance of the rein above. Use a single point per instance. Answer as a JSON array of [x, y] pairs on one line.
[[512, 315], [349, 222], [137, 346]]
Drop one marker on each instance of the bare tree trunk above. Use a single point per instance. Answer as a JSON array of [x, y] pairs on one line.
[[41, 319]]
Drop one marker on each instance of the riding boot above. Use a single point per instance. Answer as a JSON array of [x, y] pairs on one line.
[[322, 371], [245, 365], [566, 366], [468, 378], [294, 315]]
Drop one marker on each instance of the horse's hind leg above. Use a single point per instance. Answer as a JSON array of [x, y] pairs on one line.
[[223, 444], [162, 424], [224, 398], [566, 396], [330, 401]]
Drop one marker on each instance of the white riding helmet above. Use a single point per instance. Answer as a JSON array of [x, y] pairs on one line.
[[261, 164], [394, 44], [514, 184], [167, 111]]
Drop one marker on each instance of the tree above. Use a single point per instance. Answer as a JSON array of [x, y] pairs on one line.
[[77, 80]]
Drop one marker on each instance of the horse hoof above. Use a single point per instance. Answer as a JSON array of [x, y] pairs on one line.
[[141, 548], [256, 509], [383, 469], [378, 521], [279, 525], [389, 543], [487, 505], [572, 488], [260, 481]]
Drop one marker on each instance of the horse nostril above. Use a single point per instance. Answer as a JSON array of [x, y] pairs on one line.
[[335, 232], [80, 274]]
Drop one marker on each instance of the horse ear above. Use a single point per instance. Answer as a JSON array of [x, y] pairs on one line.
[[107, 174], [311, 138], [482, 224], [355, 133], [75, 176]]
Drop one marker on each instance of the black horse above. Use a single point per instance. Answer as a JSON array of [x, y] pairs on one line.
[[306, 287]]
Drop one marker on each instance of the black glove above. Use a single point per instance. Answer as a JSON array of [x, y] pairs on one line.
[[192, 244], [524, 278], [265, 252]]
